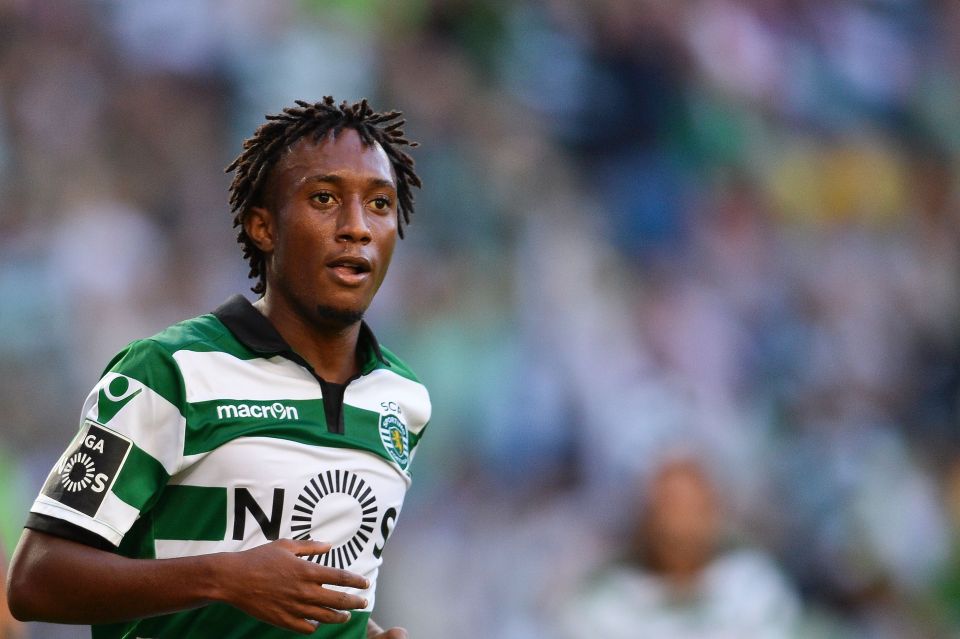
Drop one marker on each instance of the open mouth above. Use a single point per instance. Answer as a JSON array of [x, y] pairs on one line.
[[350, 268], [351, 264]]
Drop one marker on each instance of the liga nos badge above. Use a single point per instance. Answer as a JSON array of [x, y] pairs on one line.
[[393, 434], [88, 469]]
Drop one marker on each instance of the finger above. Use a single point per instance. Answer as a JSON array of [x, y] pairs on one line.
[[296, 624], [394, 633], [340, 577], [326, 615], [307, 547], [329, 598], [339, 600], [319, 595]]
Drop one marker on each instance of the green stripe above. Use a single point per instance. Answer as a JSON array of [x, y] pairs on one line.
[[207, 429], [148, 363], [138, 542], [204, 334], [397, 365], [191, 512], [221, 620], [151, 362], [416, 437], [206, 432], [140, 480]]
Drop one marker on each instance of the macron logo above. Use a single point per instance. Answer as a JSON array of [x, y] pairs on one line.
[[275, 410]]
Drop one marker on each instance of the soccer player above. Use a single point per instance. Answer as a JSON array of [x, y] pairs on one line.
[[238, 474]]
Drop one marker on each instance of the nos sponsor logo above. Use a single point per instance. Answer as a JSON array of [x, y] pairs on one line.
[[337, 491], [276, 410]]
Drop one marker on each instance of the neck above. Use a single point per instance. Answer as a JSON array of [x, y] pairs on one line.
[[330, 349]]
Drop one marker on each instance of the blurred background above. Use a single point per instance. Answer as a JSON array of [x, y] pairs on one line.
[[683, 280]]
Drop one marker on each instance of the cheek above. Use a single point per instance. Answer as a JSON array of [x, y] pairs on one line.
[[388, 246], [298, 252], [385, 249]]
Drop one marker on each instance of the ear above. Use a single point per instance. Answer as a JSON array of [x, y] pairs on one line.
[[259, 223]]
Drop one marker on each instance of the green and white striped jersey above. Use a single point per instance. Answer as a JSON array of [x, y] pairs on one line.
[[215, 436]]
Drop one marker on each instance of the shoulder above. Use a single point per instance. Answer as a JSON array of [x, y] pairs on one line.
[[153, 360], [751, 582], [398, 366], [202, 333], [620, 580], [746, 565], [615, 600], [394, 381]]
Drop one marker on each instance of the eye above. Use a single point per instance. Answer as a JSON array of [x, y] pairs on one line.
[[322, 197], [381, 203]]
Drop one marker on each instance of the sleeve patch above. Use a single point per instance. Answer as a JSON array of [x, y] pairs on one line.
[[88, 469]]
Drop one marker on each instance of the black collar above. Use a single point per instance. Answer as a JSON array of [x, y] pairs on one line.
[[255, 331]]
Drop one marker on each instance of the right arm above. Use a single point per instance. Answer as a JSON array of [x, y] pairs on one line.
[[62, 581], [9, 628]]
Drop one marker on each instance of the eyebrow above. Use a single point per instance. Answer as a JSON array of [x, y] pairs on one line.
[[333, 178]]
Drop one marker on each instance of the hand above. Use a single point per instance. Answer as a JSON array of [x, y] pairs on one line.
[[273, 584]]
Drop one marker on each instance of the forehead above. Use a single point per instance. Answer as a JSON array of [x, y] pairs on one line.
[[344, 155]]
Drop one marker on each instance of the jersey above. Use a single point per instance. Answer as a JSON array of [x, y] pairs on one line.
[[214, 435]]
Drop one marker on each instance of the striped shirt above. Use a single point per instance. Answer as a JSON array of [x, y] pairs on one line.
[[214, 435]]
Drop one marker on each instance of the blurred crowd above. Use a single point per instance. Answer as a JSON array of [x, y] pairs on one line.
[[683, 280]]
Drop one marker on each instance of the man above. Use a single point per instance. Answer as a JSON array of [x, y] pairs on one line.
[[238, 474], [679, 581]]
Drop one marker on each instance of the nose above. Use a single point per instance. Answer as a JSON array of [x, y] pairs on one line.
[[352, 223]]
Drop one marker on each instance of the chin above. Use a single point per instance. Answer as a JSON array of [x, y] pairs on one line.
[[338, 316]]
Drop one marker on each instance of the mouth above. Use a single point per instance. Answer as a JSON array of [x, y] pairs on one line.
[[350, 270]]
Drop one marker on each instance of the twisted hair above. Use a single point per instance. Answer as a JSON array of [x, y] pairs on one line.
[[253, 167]]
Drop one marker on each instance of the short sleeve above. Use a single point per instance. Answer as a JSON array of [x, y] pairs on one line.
[[129, 443]]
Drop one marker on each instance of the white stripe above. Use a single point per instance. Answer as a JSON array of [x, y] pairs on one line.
[[277, 459], [113, 519], [148, 419], [118, 513], [384, 385], [215, 375], [170, 548], [186, 466]]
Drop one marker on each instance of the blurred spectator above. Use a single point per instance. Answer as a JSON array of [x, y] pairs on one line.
[[870, 534], [680, 580]]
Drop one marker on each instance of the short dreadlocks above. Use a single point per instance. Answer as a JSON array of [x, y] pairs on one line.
[[252, 168]]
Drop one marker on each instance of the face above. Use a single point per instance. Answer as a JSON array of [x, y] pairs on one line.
[[328, 227], [682, 523]]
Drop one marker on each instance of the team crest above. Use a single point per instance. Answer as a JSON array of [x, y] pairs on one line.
[[393, 434]]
